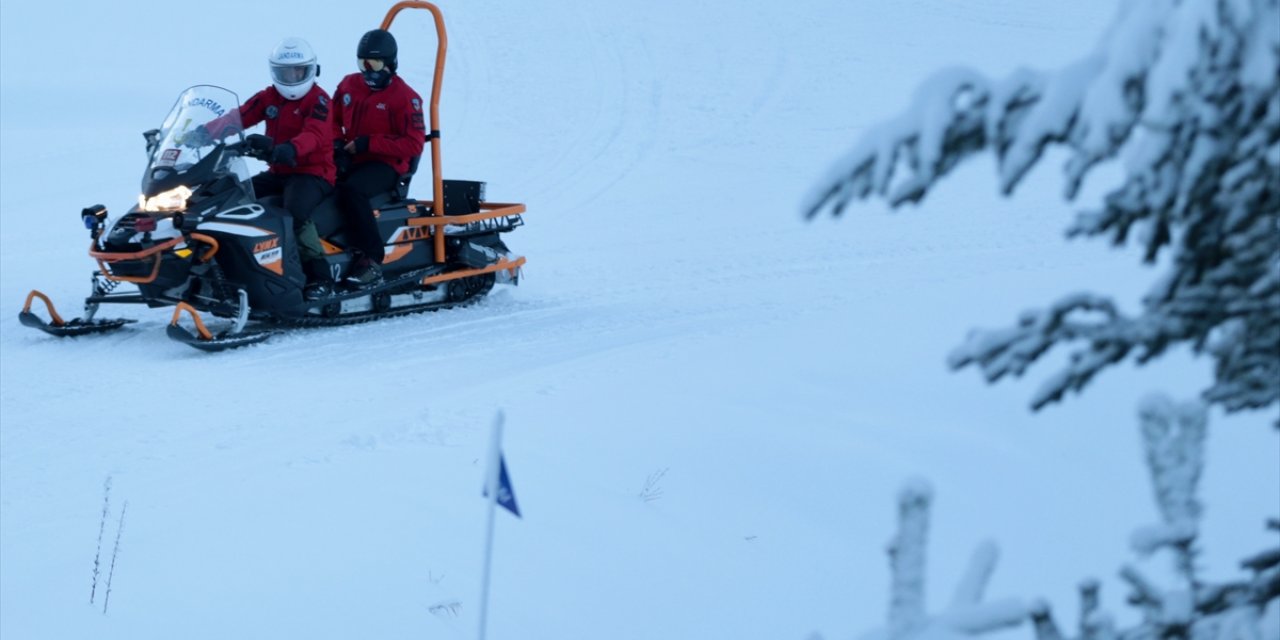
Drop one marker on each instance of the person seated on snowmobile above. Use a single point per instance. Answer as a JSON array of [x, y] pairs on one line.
[[300, 165], [378, 130]]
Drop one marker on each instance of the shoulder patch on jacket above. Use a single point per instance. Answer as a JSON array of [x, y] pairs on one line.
[[417, 104], [273, 111], [346, 99]]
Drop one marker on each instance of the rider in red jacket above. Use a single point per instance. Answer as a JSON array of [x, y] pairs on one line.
[[301, 167], [302, 124], [378, 129]]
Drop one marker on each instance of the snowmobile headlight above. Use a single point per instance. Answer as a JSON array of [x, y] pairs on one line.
[[171, 200], [93, 216]]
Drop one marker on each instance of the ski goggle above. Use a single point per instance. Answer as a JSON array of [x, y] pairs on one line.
[[371, 64], [292, 74]]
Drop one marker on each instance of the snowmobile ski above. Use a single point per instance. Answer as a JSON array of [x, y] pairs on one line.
[[64, 328]]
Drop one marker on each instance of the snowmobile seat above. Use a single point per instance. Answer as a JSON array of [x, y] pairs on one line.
[[330, 220], [402, 185], [328, 217]]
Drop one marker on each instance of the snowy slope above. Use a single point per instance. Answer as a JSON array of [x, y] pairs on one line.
[[677, 315]]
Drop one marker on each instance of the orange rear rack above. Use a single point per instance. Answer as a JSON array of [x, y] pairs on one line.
[[488, 211], [503, 264]]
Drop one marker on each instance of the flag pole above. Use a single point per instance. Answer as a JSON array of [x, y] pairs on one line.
[[491, 487]]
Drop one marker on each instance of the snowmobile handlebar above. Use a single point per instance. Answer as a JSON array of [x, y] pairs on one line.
[[255, 145]]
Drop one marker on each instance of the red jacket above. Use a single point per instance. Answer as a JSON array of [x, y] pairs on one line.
[[391, 117], [303, 123]]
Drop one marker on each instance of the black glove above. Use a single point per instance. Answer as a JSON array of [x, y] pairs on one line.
[[259, 145], [341, 159], [361, 144], [197, 137], [284, 154]]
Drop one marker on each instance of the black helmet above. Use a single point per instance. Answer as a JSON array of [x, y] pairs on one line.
[[378, 44]]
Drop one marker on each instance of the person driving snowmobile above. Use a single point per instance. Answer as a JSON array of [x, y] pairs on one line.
[[301, 166], [378, 127]]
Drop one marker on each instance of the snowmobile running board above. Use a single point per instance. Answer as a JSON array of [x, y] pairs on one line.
[[61, 328]]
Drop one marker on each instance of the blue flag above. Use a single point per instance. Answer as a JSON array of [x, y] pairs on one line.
[[506, 493]]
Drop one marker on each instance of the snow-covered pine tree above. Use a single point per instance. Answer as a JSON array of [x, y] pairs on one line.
[[1188, 93], [1192, 609]]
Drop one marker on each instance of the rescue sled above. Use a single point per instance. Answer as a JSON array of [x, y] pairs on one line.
[[198, 240]]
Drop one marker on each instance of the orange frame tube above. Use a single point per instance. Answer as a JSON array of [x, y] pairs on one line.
[[500, 265], [442, 44], [204, 332], [488, 211], [103, 257], [53, 313], [209, 240]]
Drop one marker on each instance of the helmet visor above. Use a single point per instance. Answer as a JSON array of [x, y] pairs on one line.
[[372, 64], [290, 75]]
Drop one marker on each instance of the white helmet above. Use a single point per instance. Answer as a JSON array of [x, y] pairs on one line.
[[293, 68]]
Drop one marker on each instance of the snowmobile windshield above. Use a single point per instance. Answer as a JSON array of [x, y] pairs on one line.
[[191, 146]]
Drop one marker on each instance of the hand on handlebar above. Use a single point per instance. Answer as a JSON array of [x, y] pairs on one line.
[[259, 146], [285, 154]]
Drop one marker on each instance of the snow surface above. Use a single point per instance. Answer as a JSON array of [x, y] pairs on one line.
[[677, 315]]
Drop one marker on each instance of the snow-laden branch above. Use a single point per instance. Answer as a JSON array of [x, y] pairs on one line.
[[968, 615], [907, 559], [1186, 94]]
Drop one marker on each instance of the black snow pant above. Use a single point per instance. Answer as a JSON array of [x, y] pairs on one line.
[[363, 182], [302, 194]]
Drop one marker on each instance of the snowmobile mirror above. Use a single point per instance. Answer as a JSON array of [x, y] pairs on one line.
[[153, 139]]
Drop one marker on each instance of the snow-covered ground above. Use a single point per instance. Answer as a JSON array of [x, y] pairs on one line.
[[777, 380]]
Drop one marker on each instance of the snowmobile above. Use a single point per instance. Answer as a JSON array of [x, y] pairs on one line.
[[200, 241]]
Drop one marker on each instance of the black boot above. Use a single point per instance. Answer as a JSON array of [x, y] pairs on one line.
[[364, 273], [319, 280], [318, 290]]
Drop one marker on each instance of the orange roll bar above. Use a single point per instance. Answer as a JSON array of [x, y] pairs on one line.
[[442, 44]]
